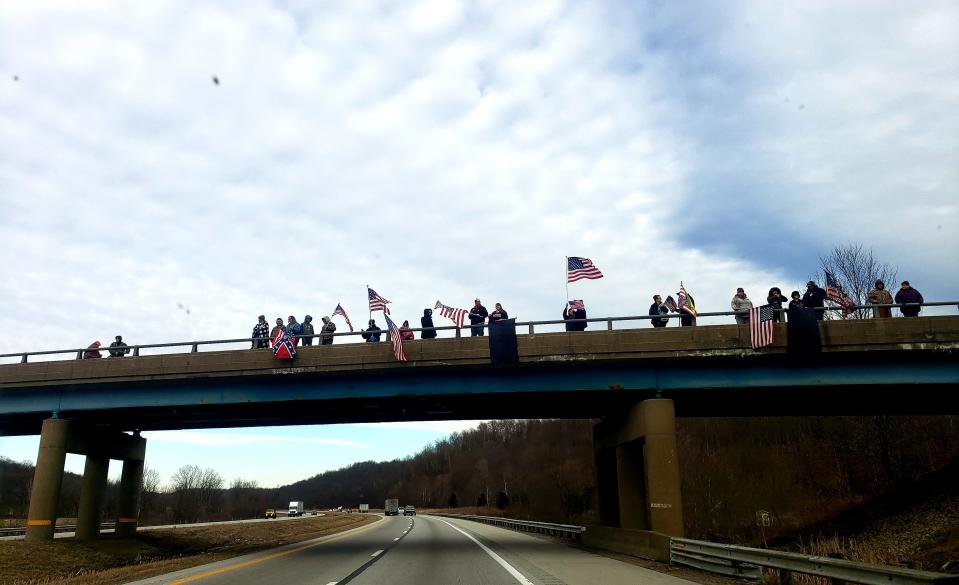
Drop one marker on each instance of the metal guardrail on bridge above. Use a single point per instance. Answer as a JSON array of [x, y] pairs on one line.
[[563, 530], [741, 561], [194, 346]]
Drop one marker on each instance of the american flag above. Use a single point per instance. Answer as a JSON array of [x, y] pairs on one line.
[[686, 302], [577, 305], [339, 311], [454, 315], [397, 340], [761, 326], [578, 268], [835, 293], [377, 303], [670, 303]]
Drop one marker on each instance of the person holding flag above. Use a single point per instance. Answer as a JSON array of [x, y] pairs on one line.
[[572, 313], [342, 313], [686, 307]]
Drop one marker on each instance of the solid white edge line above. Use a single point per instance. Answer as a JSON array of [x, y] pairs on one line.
[[377, 553], [395, 539], [332, 583], [509, 568]]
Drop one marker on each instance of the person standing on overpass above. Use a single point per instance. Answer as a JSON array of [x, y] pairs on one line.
[[294, 328], [776, 299], [326, 333], [880, 296], [307, 330], [260, 332], [426, 321], [372, 333], [656, 309], [907, 294], [118, 348], [477, 316], [93, 351], [741, 303], [278, 329], [498, 314], [815, 298]]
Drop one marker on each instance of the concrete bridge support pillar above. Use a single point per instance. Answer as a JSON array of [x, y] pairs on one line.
[[131, 481], [637, 467], [91, 496], [47, 477]]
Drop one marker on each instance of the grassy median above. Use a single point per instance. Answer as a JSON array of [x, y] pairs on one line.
[[112, 560]]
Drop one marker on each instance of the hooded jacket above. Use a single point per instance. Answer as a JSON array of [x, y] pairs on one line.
[[326, 333], [909, 295], [371, 334], [427, 321]]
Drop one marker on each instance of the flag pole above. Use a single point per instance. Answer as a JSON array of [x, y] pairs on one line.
[[566, 278], [368, 302]]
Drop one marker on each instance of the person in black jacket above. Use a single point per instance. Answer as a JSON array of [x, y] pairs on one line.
[[656, 309], [307, 329], [118, 348], [796, 302], [776, 299], [477, 316], [577, 311], [372, 333], [427, 321], [498, 314], [814, 298], [261, 331]]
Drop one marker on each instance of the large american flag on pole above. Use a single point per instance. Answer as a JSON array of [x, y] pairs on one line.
[[579, 268], [454, 315], [397, 340], [835, 293], [377, 303], [761, 326], [686, 302], [341, 312]]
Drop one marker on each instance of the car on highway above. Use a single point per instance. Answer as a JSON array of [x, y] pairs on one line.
[[410, 511], [271, 513]]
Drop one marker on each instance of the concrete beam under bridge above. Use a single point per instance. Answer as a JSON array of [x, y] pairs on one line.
[[637, 468], [61, 436]]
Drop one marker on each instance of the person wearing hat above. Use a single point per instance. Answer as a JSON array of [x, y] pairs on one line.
[[326, 332], [92, 351], [307, 330], [880, 296], [260, 332], [741, 304], [907, 294], [815, 298], [118, 348], [477, 316], [426, 321]]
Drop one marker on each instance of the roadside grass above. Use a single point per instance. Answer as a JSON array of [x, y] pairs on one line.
[[110, 560]]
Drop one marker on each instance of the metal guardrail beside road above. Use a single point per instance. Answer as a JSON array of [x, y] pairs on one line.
[[21, 530], [194, 346], [741, 561], [563, 530]]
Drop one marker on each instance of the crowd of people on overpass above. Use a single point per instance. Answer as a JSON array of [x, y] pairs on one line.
[[574, 313]]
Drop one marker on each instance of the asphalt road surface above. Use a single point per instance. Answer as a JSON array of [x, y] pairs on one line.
[[421, 550]]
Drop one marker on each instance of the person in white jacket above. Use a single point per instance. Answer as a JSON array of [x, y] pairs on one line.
[[740, 303]]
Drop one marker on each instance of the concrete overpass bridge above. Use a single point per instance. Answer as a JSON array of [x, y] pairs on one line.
[[635, 380]]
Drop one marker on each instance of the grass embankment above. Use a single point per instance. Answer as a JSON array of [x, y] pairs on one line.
[[112, 560]]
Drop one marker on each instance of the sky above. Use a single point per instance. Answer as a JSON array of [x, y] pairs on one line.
[[446, 151]]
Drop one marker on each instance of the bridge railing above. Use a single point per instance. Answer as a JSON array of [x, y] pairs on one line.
[[562, 530], [528, 326]]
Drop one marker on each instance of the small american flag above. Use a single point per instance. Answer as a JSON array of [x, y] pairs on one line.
[[377, 303], [454, 315], [670, 303], [578, 268], [339, 311], [397, 340], [761, 326], [577, 305]]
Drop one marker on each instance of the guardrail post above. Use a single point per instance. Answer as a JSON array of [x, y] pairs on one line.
[[609, 324], [136, 351], [458, 334], [194, 350], [80, 355], [530, 328], [23, 360]]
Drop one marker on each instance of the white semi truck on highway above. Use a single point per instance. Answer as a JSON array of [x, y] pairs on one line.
[[364, 508], [392, 507], [296, 509]]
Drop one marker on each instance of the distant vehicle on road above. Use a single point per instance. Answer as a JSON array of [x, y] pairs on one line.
[[313, 512], [271, 513], [364, 508], [392, 507], [296, 509], [410, 511]]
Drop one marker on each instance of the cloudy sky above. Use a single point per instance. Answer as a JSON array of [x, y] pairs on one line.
[[446, 150]]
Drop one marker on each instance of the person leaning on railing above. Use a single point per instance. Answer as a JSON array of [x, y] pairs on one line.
[[260, 332], [741, 304], [776, 299], [880, 296], [907, 294]]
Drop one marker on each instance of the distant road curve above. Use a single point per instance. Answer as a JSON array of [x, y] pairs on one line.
[[422, 550]]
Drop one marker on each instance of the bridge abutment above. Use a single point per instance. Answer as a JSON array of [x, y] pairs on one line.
[[59, 437], [637, 469]]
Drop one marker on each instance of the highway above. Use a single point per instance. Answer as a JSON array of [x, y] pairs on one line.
[[421, 550]]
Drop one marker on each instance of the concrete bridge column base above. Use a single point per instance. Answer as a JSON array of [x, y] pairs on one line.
[[128, 505], [637, 468], [47, 477], [92, 491]]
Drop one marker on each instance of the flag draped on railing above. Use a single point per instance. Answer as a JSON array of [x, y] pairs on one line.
[[396, 339], [284, 345], [454, 315], [578, 268], [761, 326], [377, 303], [339, 311]]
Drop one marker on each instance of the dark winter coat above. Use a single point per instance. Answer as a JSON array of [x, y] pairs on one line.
[[813, 298], [498, 316], [371, 334], [307, 329], [909, 295], [656, 310], [260, 331], [427, 321], [570, 313]]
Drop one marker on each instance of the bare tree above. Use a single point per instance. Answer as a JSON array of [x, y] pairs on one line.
[[856, 270], [149, 492]]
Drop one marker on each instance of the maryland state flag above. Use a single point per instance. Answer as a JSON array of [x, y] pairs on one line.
[[284, 346]]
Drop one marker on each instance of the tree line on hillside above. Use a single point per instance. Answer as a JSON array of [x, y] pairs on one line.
[[799, 471]]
